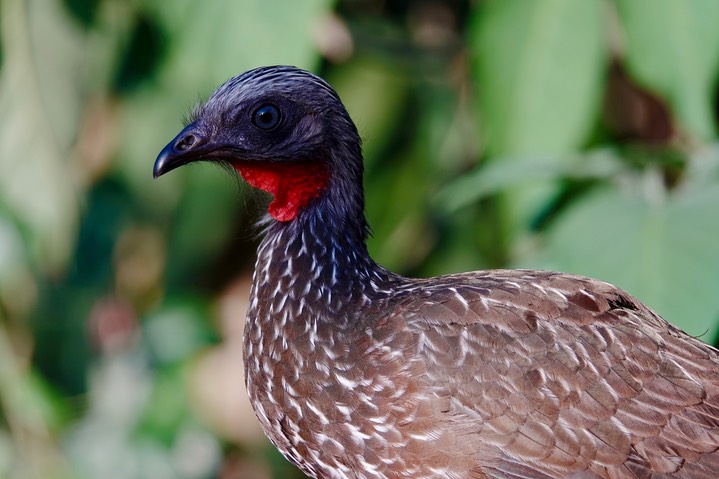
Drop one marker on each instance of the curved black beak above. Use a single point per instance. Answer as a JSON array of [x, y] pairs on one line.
[[184, 148]]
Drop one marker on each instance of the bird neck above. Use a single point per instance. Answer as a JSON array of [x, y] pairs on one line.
[[322, 254], [319, 258]]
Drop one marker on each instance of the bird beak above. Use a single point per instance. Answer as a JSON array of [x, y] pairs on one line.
[[190, 145]]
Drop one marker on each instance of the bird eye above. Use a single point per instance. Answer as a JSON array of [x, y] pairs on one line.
[[266, 117]]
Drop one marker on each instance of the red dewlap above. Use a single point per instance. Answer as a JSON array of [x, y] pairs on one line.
[[293, 185]]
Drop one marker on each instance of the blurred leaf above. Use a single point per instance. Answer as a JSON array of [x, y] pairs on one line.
[[398, 190], [501, 175], [197, 454], [84, 11], [178, 330], [7, 453], [447, 128], [375, 96], [150, 118], [39, 108], [167, 408], [99, 443], [396, 214], [210, 204], [12, 251], [110, 208], [665, 252], [143, 53], [213, 42], [464, 242], [139, 424], [36, 402], [672, 47], [33, 414], [538, 68]]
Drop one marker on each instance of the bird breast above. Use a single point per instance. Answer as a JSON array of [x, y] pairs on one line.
[[341, 402]]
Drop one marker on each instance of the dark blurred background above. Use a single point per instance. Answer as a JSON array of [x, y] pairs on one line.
[[578, 136]]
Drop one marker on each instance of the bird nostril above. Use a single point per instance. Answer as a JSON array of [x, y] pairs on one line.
[[186, 142]]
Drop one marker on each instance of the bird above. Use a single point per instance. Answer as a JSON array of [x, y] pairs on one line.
[[356, 372]]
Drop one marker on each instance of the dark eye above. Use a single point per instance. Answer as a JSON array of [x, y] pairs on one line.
[[266, 117]]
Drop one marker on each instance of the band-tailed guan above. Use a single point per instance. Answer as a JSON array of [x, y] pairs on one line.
[[357, 372]]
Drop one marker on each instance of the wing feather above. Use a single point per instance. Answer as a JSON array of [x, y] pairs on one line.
[[561, 375]]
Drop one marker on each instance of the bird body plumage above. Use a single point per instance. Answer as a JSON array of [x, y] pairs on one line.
[[358, 373]]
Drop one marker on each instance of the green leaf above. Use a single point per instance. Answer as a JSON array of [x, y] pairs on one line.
[[538, 68], [12, 251], [177, 330], [214, 40], [36, 402], [505, 174], [375, 96], [663, 251], [395, 206], [7, 453], [672, 47], [39, 107], [167, 409]]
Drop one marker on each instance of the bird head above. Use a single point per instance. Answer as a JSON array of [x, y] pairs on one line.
[[283, 129]]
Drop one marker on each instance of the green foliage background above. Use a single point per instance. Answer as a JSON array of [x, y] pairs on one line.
[[572, 135]]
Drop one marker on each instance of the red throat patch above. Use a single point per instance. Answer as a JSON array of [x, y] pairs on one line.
[[292, 185]]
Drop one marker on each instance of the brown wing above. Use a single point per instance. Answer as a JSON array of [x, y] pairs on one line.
[[563, 376]]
